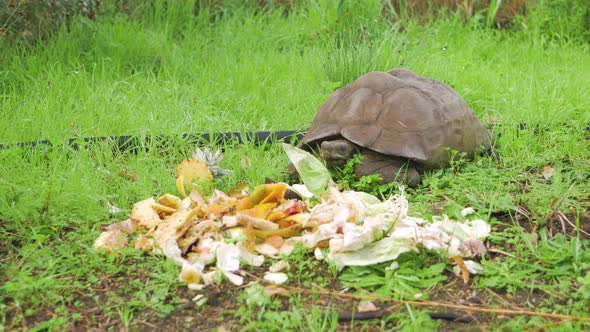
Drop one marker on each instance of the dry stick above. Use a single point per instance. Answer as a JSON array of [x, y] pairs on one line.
[[556, 206], [446, 305], [563, 217], [147, 323], [498, 251], [563, 230], [496, 296]]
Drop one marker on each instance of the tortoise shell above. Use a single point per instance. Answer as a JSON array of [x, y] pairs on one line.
[[399, 113]]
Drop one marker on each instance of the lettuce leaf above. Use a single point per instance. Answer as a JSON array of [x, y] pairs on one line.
[[312, 171]]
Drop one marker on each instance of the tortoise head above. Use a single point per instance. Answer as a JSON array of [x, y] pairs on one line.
[[336, 153]]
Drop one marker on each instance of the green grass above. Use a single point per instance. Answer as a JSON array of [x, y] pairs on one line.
[[173, 73]]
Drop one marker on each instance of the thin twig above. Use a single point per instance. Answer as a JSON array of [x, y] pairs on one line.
[[556, 206], [498, 297], [563, 217], [147, 323], [425, 303], [563, 229], [498, 251]]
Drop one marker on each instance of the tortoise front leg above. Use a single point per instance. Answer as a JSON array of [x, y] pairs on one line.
[[391, 169]]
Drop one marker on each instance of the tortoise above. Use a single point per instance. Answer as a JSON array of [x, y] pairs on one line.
[[401, 124]]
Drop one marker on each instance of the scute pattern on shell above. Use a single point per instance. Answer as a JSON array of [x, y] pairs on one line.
[[399, 113]]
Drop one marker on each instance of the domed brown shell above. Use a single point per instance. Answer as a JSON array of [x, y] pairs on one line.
[[399, 113]]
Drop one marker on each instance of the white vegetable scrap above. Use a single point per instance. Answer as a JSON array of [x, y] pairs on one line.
[[279, 266], [318, 254], [228, 262], [267, 250], [348, 219], [352, 220], [361, 230], [250, 258], [467, 211], [366, 306], [302, 190], [276, 278]]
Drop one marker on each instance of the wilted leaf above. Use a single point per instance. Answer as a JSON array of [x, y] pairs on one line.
[[384, 250]]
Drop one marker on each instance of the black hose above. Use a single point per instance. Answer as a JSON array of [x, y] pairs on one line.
[[377, 314], [126, 142]]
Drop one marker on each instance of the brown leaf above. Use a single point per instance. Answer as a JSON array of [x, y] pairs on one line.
[[548, 171]]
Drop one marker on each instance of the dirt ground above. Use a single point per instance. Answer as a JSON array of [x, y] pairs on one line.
[[222, 300]]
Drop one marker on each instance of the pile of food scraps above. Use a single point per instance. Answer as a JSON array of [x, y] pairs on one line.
[[212, 237]]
